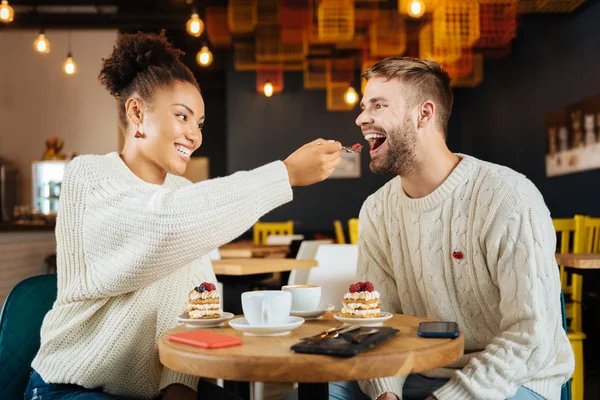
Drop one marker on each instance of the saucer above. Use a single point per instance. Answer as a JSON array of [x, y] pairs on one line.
[[364, 321], [241, 324], [314, 314], [204, 323]]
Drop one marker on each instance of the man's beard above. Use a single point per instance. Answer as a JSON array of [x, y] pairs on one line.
[[400, 158]]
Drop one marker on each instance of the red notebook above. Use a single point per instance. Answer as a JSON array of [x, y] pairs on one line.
[[205, 339]]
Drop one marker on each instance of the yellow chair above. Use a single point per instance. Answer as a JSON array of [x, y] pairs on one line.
[[591, 238], [565, 229], [262, 230], [588, 241], [353, 230], [576, 339], [339, 232], [572, 236]]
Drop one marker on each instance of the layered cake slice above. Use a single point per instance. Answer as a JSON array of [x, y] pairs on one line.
[[361, 301], [204, 302]]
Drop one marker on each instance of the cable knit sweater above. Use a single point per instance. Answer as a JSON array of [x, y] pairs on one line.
[[128, 253], [504, 292]]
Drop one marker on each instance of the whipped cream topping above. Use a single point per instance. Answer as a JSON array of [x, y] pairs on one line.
[[195, 295], [203, 313], [214, 306], [346, 310], [362, 295], [355, 306]]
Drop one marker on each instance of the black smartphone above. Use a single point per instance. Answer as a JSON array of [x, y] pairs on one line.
[[438, 330]]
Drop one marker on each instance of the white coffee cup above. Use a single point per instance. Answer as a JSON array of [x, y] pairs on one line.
[[266, 307], [304, 297]]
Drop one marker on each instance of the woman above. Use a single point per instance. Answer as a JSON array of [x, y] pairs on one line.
[[132, 236]]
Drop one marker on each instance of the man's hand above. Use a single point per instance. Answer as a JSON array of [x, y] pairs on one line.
[[388, 396], [432, 397], [178, 392]]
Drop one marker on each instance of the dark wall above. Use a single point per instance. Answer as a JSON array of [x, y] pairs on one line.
[[263, 129], [214, 134], [213, 84], [555, 62]]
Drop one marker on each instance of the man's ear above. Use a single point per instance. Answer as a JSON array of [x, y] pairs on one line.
[[426, 113]]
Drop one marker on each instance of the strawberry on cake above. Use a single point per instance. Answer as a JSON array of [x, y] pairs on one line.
[[204, 302], [361, 301]]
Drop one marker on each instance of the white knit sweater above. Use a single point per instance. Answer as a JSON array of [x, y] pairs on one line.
[[128, 254], [504, 293]]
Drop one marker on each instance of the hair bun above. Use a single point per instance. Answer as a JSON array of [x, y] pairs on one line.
[[134, 54]]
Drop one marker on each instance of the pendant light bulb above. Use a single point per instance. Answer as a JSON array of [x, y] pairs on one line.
[[268, 89], [42, 44], [351, 97], [204, 56], [69, 66], [7, 14], [416, 8], [195, 26]]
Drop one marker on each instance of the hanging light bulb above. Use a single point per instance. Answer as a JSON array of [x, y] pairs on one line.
[[69, 66], [7, 14], [204, 56], [268, 89], [416, 8], [41, 44], [195, 26], [351, 97]]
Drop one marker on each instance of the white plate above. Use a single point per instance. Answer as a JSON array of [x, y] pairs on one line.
[[364, 321], [204, 323], [241, 324], [311, 315]]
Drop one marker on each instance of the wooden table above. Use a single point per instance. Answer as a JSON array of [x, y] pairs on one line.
[[579, 261], [250, 250], [253, 266], [269, 359]]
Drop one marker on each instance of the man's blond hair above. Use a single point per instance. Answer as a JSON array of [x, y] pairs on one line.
[[425, 80]]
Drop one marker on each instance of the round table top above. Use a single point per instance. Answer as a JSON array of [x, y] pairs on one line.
[[269, 359]]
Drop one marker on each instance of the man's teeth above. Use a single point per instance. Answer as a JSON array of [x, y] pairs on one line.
[[184, 150], [374, 136]]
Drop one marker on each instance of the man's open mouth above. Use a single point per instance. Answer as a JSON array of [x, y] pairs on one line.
[[375, 140]]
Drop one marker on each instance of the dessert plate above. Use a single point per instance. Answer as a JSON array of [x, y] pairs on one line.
[[312, 315], [364, 321], [204, 323], [290, 324]]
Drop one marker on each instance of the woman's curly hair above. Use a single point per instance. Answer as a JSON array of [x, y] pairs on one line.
[[142, 63]]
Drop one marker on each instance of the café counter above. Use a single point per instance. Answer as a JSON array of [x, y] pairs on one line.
[[23, 249]]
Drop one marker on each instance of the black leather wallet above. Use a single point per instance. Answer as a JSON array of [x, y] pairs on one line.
[[343, 346]]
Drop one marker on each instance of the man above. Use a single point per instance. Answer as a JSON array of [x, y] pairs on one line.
[[457, 239]]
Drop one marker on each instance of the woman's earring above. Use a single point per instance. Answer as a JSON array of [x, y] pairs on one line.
[[138, 134]]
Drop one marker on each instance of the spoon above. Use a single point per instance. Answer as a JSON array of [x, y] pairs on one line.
[[356, 148]]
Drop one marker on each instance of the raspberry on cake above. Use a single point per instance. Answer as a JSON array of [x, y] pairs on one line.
[[361, 301], [357, 147], [204, 302]]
